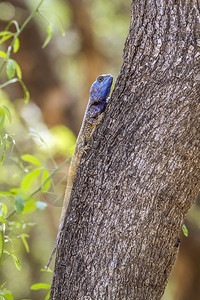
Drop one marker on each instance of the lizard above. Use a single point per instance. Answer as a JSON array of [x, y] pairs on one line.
[[99, 96]]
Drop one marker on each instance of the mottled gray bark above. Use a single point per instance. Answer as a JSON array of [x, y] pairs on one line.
[[136, 183]]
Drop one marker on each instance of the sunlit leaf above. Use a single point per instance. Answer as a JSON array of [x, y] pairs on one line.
[[40, 286], [20, 191], [29, 179], [26, 92], [26, 96], [5, 32], [16, 45], [5, 294], [10, 68], [3, 54], [3, 154], [6, 141], [2, 117], [41, 205], [5, 38], [31, 159], [48, 296], [3, 209], [24, 237], [19, 203], [47, 182], [17, 262], [2, 237], [18, 70], [5, 193], [30, 206], [185, 230], [50, 31], [7, 112]]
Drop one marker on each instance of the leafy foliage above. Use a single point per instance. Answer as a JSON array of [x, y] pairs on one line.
[[185, 230], [23, 174], [50, 31]]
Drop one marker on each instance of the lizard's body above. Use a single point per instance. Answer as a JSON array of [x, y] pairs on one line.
[[99, 93]]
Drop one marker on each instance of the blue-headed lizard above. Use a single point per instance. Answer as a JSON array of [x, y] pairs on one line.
[[99, 93]]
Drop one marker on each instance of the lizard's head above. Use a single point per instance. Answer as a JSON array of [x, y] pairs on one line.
[[99, 93], [101, 87]]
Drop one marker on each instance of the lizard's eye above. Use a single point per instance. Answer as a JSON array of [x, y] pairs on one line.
[[100, 78]]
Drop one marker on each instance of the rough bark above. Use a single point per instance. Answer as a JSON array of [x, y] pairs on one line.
[[136, 183]]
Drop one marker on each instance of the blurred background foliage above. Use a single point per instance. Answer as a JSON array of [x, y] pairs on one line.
[[87, 39]]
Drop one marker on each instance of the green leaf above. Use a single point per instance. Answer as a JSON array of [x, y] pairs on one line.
[[5, 38], [5, 193], [3, 154], [29, 179], [5, 294], [40, 286], [22, 192], [2, 240], [3, 54], [5, 32], [31, 159], [47, 296], [50, 31], [18, 70], [2, 117], [10, 68], [16, 45], [7, 112], [19, 203], [41, 205], [6, 141], [30, 206], [24, 237], [185, 230], [3, 146], [26, 96], [26, 92], [17, 262], [3, 209], [46, 183]]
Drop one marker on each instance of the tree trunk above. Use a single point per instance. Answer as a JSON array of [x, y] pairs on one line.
[[141, 174]]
